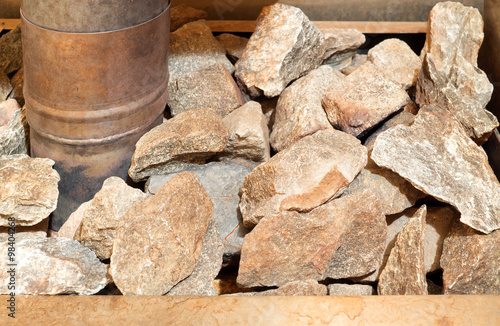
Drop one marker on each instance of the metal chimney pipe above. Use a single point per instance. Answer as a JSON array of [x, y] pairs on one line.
[[96, 75]]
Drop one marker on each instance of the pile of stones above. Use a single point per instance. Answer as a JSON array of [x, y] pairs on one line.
[[287, 164]]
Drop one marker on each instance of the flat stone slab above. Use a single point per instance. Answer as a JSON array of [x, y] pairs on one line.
[[349, 289]]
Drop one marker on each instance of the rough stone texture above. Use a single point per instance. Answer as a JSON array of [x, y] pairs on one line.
[[341, 45], [158, 241], [437, 157], [17, 83], [404, 117], [234, 45], [471, 261], [28, 191], [299, 111], [356, 62], [404, 273], [302, 177], [71, 228], [49, 266], [181, 15], [222, 182], [397, 60], [13, 134], [269, 109], [193, 47], [11, 51], [213, 87], [191, 137], [285, 46], [362, 100], [296, 288], [450, 75], [19, 236], [5, 86], [7, 110], [39, 230], [201, 281], [249, 134], [350, 289], [342, 238], [103, 213]]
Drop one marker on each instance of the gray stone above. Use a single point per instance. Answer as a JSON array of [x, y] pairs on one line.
[[350, 289], [285, 46], [190, 138], [49, 266], [437, 157], [193, 47], [404, 273], [28, 191], [341, 45], [356, 62], [299, 112], [314, 170], [213, 87], [11, 51], [183, 14], [234, 45], [158, 241], [222, 182], [201, 281], [404, 117], [13, 134]]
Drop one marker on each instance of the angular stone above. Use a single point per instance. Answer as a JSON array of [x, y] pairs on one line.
[[7, 110], [20, 235], [103, 213], [341, 45], [213, 87], [290, 246], [297, 47], [191, 137], [28, 191], [404, 117], [362, 100], [49, 266], [299, 112], [158, 241], [296, 288], [71, 228], [269, 109], [201, 281], [450, 75], [17, 83], [222, 182], [471, 261], [13, 134], [193, 47], [5, 86], [397, 61], [183, 14], [356, 62], [249, 134], [314, 170], [349, 289], [234, 45], [11, 51], [437, 157], [404, 273]]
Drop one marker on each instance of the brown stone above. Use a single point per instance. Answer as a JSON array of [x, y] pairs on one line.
[[397, 60], [296, 288], [11, 51], [17, 83], [285, 46], [234, 45], [404, 273], [437, 157], [249, 134], [158, 241], [71, 228], [471, 261], [350, 289], [191, 137], [183, 14], [341, 45], [5, 86], [103, 213], [362, 100], [28, 191], [213, 87], [450, 75], [39, 230], [302, 177], [49, 266], [356, 62], [291, 246], [193, 47], [299, 112]]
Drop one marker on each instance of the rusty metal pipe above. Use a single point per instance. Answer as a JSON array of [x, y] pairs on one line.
[[91, 95]]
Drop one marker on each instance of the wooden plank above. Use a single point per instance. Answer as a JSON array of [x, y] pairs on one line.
[[171, 310], [9, 24]]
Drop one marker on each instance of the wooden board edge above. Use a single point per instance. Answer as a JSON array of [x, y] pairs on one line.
[[9, 24]]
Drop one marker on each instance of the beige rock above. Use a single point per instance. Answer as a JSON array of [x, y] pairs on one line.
[[362, 100], [102, 215], [302, 177], [17, 83], [189, 138], [356, 62], [437, 157], [349, 289], [5, 86], [213, 87], [341, 45], [11, 51], [296, 288], [397, 60], [39, 230], [285, 46], [234, 45], [342, 238], [299, 112], [404, 117], [159, 240], [7, 111], [183, 14], [71, 228], [13, 134], [249, 134], [404, 273], [28, 191]]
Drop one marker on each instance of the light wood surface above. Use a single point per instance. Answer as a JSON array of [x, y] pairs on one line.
[[9, 23]]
